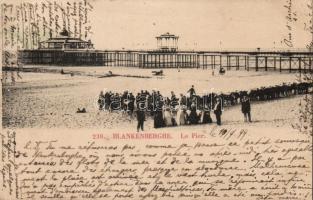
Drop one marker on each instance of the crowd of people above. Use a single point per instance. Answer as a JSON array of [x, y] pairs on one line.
[[191, 108]]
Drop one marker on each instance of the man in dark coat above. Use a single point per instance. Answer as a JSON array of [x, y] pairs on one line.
[[174, 100], [131, 104], [141, 108], [246, 108], [218, 110], [192, 91], [140, 118]]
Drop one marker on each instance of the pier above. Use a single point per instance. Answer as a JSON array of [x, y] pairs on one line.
[[230, 60], [65, 50]]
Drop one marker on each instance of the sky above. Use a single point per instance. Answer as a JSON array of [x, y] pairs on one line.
[[200, 24]]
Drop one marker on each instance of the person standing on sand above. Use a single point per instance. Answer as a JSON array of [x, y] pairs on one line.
[[141, 108], [192, 91], [246, 108], [183, 100], [218, 110], [101, 101], [158, 114], [167, 117], [131, 104], [182, 116], [193, 116], [206, 117], [140, 118]]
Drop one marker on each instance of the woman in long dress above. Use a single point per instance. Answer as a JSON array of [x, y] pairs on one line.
[[182, 116], [193, 116], [168, 117], [158, 115], [206, 117], [158, 119]]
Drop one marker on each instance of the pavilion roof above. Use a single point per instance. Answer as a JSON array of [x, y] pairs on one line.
[[64, 37], [64, 40], [167, 35]]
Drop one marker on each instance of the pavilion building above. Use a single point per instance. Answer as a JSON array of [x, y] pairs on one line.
[[63, 50], [65, 42], [167, 42]]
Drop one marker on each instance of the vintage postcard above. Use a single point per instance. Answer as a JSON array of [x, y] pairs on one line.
[[156, 99]]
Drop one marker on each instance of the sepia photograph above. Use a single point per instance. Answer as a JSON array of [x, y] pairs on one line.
[[163, 99]]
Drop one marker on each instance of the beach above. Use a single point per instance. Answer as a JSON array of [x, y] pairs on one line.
[[47, 100]]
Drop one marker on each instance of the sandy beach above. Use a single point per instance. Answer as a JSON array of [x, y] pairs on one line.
[[45, 100]]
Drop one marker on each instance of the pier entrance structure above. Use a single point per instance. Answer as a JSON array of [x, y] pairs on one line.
[[65, 42], [63, 50]]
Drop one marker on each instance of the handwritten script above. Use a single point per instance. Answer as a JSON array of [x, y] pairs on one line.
[[24, 25], [215, 167]]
